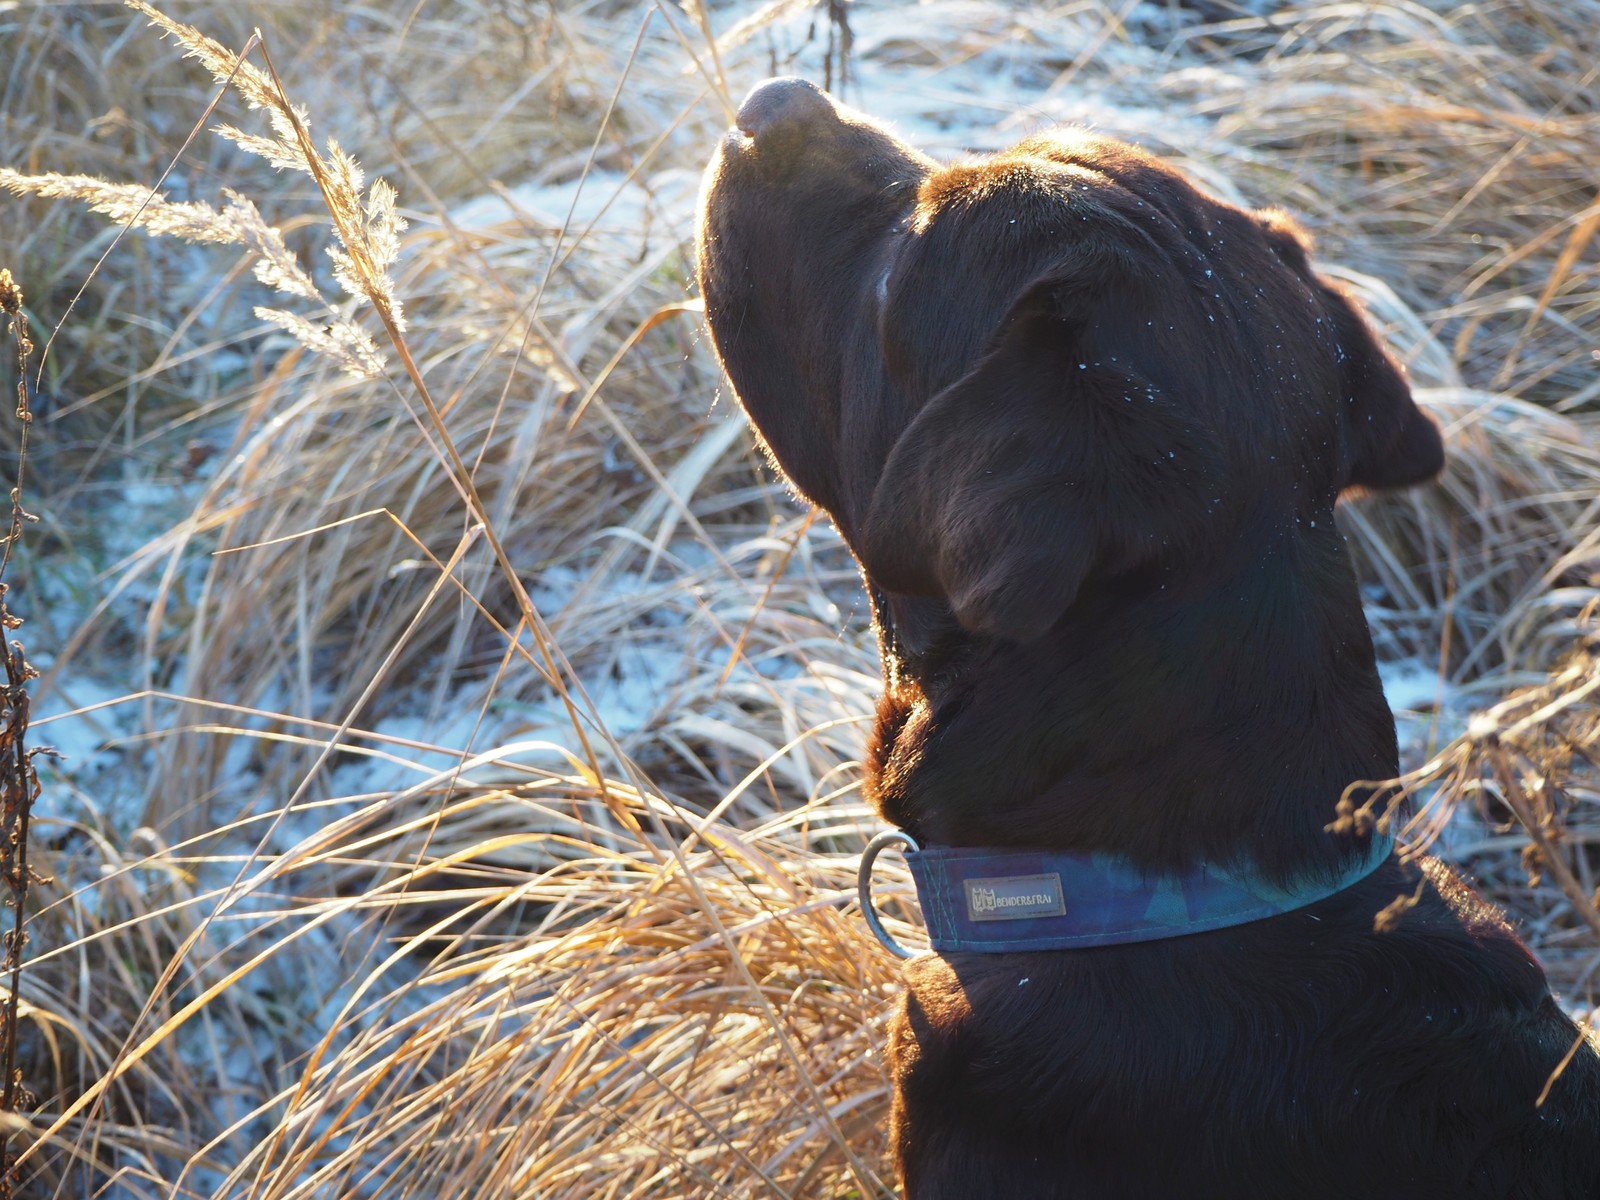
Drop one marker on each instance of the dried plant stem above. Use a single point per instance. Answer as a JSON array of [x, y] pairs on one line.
[[19, 784], [19, 787], [1523, 805], [1578, 1043]]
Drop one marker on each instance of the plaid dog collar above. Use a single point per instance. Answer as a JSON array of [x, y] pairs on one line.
[[998, 901]]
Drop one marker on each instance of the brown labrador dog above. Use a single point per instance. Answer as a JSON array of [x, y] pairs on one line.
[[1084, 427]]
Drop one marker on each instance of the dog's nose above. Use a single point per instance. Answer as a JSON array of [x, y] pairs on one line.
[[782, 104]]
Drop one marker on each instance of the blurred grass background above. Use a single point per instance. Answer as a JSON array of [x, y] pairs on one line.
[[379, 869]]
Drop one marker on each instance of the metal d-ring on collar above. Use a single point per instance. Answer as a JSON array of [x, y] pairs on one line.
[[875, 847]]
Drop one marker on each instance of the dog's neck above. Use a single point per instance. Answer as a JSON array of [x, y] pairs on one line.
[[1217, 714]]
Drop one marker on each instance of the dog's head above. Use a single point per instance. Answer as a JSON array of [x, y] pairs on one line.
[[1013, 377]]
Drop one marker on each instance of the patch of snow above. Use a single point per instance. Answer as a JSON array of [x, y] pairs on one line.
[[1411, 685]]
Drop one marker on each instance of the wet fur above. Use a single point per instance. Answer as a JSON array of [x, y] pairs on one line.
[[1084, 427]]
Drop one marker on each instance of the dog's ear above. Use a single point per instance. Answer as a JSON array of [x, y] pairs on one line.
[[1391, 443], [1035, 470]]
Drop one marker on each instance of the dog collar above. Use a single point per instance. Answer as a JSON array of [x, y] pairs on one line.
[[1000, 901]]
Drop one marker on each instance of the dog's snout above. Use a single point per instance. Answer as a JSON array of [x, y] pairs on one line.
[[782, 105]]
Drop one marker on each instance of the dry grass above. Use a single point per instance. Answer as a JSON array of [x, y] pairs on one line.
[[1448, 144], [1488, 571], [481, 815]]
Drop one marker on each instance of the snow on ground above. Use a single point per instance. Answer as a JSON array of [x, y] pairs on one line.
[[1428, 711], [1411, 685]]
